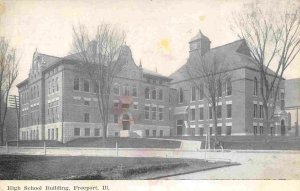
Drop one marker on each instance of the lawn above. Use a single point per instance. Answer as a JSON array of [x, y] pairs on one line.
[[93, 168], [110, 142], [251, 142]]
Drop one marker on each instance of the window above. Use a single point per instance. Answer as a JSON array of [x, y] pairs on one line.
[[147, 93], [87, 117], [117, 89], [49, 88], [52, 134], [115, 118], [201, 113], [160, 94], [261, 130], [56, 82], [49, 134], [76, 83], [97, 132], [255, 130], [126, 90], [193, 94], [161, 133], [219, 88], [154, 133], [193, 114], [229, 112], [161, 113], [86, 102], [96, 87], [134, 91], [261, 111], [153, 113], [282, 104], [53, 86], [255, 110], [135, 106], [228, 130], [180, 95], [219, 111], [201, 131], [255, 87], [228, 87], [147, 132], [282, 95], [219, 130], [56, 134], [210, 112], [147, 112], [154, 94], [38, 91], [86, 85], [87, 131], [125, 106], [201, 92], [116, 105]]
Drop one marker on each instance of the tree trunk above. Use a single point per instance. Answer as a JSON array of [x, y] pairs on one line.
[[1, 134]]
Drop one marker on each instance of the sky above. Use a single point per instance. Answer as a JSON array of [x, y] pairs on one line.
[[157, 32]]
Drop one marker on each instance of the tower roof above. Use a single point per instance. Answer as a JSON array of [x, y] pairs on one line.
[[199, 36]]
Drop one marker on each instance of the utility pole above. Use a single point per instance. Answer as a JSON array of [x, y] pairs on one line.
[[14, 103]]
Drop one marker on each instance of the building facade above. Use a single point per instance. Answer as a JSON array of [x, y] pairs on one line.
[[239, 107], [58, 101]]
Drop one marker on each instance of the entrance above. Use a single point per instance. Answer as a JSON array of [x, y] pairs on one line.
[[179, 127], [126, 122], [282, 128]]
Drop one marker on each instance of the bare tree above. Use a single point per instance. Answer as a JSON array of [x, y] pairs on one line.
[[8, 74], [102, 59], [273, 43], [208, 75]]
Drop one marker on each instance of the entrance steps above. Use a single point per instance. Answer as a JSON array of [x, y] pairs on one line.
[[133, 134]]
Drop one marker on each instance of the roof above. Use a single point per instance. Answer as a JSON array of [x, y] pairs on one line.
[[154, 74], [22, 83], [200, 35], [233, 56]]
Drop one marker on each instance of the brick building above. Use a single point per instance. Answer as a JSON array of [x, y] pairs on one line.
[[240, 107], [58, 101]]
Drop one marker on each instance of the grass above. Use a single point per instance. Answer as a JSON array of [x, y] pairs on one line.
[[123, 142], [252, 142], [91, 168]]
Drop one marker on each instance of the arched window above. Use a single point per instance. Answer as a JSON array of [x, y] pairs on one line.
[[34, 92], [180, 95], [255, 87], [219, 88], [116, 89], [160, 94], [154, 94], [76, 83], [228, 87], [147, 93], [86, 85], [201, 92]]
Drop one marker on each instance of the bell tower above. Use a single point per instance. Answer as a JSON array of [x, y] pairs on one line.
[[200, 43]]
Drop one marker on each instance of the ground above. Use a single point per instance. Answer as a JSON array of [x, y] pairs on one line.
[[83, 167], [123, 142], [251, 142]]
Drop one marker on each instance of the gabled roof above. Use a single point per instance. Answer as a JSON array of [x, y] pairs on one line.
[[233, 55], [147, 72]]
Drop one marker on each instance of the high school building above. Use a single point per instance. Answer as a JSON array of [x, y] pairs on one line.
[[58, 102]]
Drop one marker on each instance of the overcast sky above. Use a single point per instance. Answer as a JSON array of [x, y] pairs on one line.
[[158, 32]]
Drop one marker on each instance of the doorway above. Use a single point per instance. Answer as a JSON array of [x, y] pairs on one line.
[[179, 127], [282, 127], [126, 122]]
